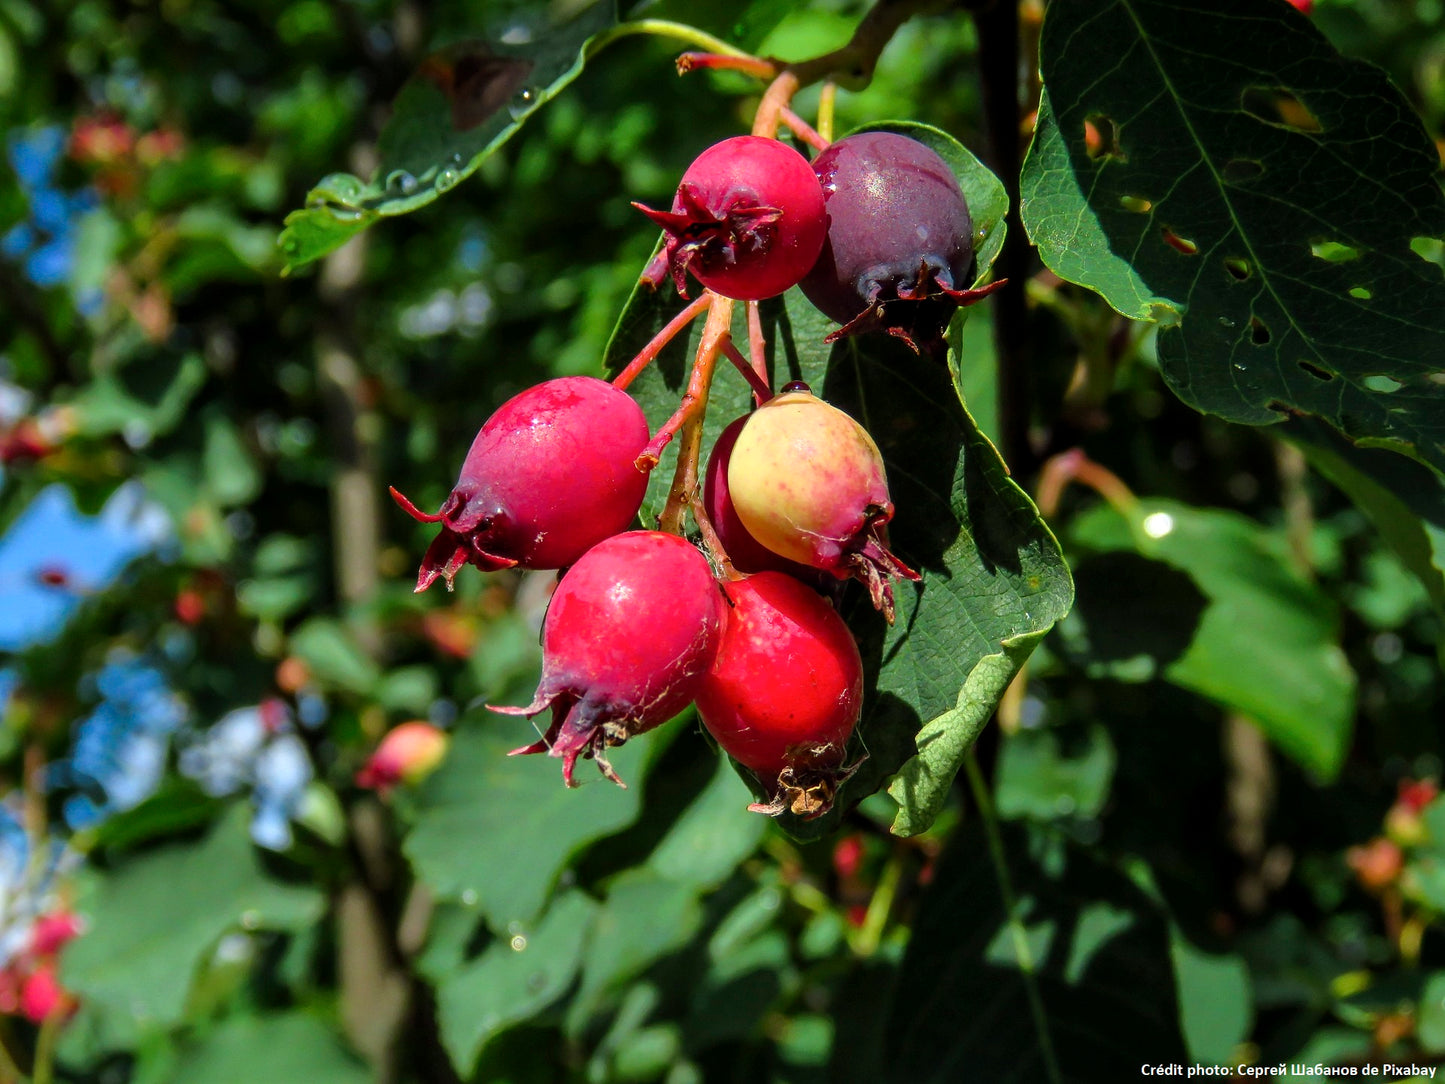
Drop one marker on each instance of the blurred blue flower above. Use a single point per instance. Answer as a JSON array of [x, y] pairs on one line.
[[52, 556], [119, 757], [47, 242], [9, 679], [254, 747], [283, 771], [34, 152]]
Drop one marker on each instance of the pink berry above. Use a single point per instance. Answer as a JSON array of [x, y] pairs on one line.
[[808, 482], [408, 754], [631, 630], [748, 219], [785, 691], [550, 475], [41, 994], [54, 931]]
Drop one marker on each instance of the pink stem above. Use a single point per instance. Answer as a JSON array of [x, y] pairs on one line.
[[802, 129], [748, 65], [661, 339], [758, 349], [761, 392]]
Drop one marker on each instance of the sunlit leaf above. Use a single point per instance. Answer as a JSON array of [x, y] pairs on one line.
[[462, 103], [1221, 170]]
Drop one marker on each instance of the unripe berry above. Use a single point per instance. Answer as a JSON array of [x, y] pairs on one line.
[[784, 694], [408, 754], [747, 221], [746, 552], [550, 475], [807, 481], [899, 254], [631, 629]]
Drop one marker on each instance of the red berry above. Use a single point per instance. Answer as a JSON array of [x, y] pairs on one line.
[[549, 476], [808, 482], [785, 691], [42, 996], [899, 253], [54, 931], [748, 219], [630, 632]]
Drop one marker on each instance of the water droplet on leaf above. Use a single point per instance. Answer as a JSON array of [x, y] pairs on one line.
[[447, 179], [400, 182], [523, 102]]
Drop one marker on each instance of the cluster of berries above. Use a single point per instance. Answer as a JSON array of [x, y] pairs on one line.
[[877, 233]]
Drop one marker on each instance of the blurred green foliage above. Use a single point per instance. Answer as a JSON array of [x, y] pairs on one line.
[[1204, 826]]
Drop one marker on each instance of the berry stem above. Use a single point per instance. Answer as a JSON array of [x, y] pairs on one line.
[[747, 65], [803, 130], [761, 391], [658, 341], [1075, 466], [689, 416], [666, 28], [713, 543], [775, 99], [758, 350], [827, 102]]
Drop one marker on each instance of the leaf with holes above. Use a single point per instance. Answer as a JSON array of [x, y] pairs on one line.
[[1221, 170], [993, 578], [462, 103]]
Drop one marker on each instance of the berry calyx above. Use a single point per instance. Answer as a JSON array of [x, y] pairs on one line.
[[549, 475], [808, 482], [899, 253], [632, 628], [785, 691], [748, 219]]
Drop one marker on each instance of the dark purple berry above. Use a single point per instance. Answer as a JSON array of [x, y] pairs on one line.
[[899, 254]]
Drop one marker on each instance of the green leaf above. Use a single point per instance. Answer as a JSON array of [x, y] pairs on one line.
[[333, 656], [1077, 987], [1038, 778], [133, 967], [496, 831], [1431, 1024], [231, 476], [145, 398], [1216, 1008], [1269, 203], [1265, 641], [463, 102], [281, 1047], [514, 978], [709, 840], [644, 918], [994, 580], [1405, 501]]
